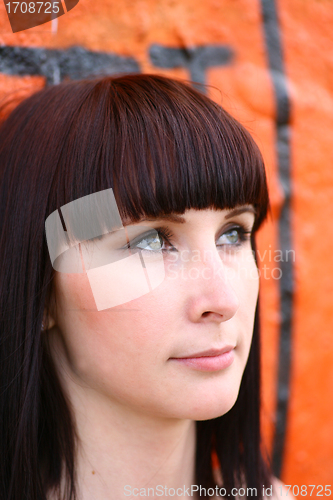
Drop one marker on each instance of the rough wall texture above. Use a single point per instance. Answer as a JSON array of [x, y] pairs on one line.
[[272, 60]]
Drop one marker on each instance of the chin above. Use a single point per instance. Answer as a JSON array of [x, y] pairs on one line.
[[211, 406], [210, 413]]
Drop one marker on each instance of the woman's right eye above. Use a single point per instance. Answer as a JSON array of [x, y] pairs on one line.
[[149, 243], [154, 241]]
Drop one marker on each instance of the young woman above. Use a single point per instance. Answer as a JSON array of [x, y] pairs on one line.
[[111, 390]]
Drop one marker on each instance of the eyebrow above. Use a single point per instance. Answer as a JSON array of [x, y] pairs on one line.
[[241, 210], [168, 217], [179, 219]]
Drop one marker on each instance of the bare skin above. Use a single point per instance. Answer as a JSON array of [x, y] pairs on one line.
[[134, 398]]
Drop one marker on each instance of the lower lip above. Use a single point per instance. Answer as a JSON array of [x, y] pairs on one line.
[[208, 363]]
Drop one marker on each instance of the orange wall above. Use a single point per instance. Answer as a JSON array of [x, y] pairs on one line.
[[129, 28]]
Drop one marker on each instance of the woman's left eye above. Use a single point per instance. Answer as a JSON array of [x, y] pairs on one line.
[[234, 236]]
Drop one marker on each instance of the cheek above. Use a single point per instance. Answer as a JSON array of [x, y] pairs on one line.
[[252, 287], [251, 290], [108, 341], [72, 293], [118, 352], [81, 326], [249, 278], [246, 286]]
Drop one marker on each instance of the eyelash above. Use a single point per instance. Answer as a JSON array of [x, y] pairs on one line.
[[166, 235], [243, 234], [163, 232]]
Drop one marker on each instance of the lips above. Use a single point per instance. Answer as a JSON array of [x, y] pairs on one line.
[[209, 352], [208, 360]]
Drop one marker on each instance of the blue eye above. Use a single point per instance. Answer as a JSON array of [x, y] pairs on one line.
[[150, 242], [153, 241], [235, 236]]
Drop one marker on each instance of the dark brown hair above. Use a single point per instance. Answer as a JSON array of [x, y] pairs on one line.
[[163, 147]]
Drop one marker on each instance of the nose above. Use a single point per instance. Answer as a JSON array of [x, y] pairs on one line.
[[212, 294]]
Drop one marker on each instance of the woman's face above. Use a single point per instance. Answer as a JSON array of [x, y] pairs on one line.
[[180, 350]]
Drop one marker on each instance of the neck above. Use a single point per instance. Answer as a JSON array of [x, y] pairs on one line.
[[120, 450]]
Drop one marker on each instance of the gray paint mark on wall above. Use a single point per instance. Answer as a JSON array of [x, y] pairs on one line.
[[286, 283], [56, 65], [196, 60]]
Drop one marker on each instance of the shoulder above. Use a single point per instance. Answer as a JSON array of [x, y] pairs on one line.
[[279, 491]]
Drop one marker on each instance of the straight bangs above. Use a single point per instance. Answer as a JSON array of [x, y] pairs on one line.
[[179, 150], [160, 144]]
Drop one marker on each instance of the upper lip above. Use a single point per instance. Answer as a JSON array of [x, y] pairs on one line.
[[208, 353]]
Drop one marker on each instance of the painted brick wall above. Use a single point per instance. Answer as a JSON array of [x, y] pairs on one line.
[[270, 63]]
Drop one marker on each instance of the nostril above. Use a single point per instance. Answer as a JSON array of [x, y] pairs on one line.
[[211, 313]]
